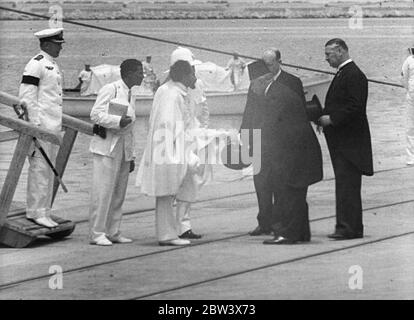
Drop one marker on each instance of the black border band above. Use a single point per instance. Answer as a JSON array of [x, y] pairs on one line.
[[31, 80]]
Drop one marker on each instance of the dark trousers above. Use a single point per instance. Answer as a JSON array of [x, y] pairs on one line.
[[282, 209], [265, 198], [348, 180]]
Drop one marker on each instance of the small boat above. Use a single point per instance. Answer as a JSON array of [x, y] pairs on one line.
[[219, 103]]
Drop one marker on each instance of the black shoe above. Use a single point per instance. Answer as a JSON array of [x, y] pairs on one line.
[[190, 235], [259, 231], [339, 236], [279, 240]]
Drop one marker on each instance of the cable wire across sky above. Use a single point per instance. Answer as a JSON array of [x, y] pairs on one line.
[[87, 25]]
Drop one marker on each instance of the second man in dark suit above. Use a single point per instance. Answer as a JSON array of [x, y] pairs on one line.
[[290, 153], [346, 129]]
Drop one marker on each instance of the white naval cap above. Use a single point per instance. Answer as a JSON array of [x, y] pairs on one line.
[[185, 54], [53, 35]]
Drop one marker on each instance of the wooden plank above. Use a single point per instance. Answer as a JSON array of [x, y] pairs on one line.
[[8, 99], [14, 237], [13, 175], [16, 208], [62, 157], [77, 124], [30, 129], [65, 228], [67, 121], [8, 135], [25, 226], [21, 223], [19, 232]]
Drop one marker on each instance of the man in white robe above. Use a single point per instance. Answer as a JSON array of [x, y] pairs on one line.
[[197, 113], [167, 156]]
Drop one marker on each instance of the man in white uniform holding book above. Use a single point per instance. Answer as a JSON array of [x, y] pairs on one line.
[[114, 156]]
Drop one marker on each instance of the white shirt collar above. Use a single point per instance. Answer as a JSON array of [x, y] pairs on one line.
[[273, 80], [123, 84], [277, 75], [344, 63]]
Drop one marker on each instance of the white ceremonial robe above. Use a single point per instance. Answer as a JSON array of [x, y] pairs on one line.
[[41, 89], [207, 154], [178, 172], [166, 157], [111, 162], [164, 164], [408, 82], [198, 117]]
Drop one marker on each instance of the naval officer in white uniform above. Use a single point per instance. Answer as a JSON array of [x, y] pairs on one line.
[[114, 156], [41, 89]]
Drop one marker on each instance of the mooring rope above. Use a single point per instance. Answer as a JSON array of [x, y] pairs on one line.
[[181, 44]]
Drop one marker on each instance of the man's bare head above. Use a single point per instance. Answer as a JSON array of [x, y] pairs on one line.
[[271, 58]]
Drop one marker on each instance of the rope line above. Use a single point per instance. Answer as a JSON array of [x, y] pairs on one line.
[[182, 44]]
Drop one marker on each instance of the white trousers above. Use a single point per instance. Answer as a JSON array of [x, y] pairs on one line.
[[40, 182], [187, 194], [109, 185], [183, 209], [165, 221], [409, 127], [171, 223]]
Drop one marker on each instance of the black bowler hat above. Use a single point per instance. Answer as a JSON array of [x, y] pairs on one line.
[[231, 156], [314, 109]]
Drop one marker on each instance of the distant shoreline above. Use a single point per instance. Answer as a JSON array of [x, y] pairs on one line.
[[100, 10]]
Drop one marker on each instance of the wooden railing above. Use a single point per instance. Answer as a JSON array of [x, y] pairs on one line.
[[25, 132]]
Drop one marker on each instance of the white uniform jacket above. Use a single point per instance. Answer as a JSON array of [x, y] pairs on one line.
[[41, 89], [118, 91]]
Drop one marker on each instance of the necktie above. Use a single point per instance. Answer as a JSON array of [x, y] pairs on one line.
[[129, 95]]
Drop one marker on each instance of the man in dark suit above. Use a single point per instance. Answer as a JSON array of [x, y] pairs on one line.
[[291, 157], [346, 129]]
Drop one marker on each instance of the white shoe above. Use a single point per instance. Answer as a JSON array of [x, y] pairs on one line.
[[43, 221], [174, 242], [102, 241], [120, 239], [53, 222], [410, 162]]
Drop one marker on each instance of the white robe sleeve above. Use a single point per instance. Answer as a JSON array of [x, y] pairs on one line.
[[204, 115]]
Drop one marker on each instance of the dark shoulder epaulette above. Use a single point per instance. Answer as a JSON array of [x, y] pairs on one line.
[[39, 57]]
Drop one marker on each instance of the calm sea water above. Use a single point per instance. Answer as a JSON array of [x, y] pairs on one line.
[[379, 49]]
